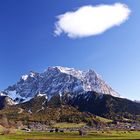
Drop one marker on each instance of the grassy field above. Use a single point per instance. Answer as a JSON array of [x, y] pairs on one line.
[[103, 119], [94, 135], [68, 125]]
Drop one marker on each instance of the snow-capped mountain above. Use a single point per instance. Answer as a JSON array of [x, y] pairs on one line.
[[57, 80]]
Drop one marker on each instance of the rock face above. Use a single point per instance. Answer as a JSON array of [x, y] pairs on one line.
[[58, 80], [5, 102]]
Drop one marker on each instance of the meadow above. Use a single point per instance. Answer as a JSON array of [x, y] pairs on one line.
[[93, 135]]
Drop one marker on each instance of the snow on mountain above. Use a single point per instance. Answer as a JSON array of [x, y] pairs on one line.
[[6, 100], [42, 95], [2, 94], [58, 80], [91, 80], [24, 77], [137, 101]]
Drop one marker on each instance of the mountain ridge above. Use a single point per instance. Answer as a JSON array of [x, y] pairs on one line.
[[58, 79]]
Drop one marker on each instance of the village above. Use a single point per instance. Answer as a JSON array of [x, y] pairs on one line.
[[41, 127]]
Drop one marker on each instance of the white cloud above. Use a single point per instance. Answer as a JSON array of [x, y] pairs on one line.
[[91, 20]]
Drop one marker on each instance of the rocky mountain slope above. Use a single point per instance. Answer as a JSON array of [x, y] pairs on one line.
[[6, 101], [56, 80]]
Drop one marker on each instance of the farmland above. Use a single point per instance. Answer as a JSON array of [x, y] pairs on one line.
[[92, 135]]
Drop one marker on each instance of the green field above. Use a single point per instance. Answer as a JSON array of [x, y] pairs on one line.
[[68, 125], [94, 135]]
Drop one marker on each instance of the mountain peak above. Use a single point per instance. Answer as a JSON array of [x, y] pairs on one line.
[[26, 76], [59, 80]]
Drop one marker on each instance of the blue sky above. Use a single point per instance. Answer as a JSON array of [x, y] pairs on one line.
[[27, 42]]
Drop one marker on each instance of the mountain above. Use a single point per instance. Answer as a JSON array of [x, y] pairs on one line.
[[56, 80], [6, 101], [40, 110], [76, 110], [65, 94], [107, 106]]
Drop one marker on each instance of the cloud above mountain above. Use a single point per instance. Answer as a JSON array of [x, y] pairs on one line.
[[91, 20]]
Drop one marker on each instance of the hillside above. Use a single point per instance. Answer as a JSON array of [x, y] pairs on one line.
[[107, 106], [62, 109], [39, 110]]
